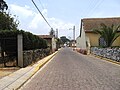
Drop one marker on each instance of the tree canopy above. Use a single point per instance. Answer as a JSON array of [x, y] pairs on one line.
[[7, 22], [3, 5], [52, 32], [64, 39]]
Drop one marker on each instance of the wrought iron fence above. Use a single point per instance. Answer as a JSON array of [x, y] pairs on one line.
[[8, 52]]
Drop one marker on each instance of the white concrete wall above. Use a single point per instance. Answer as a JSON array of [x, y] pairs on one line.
[[53, 43], [81, 41]]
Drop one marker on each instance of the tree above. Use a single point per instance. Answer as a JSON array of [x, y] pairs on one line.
[[58, 42], [108, 33], [7, 22], [64, 39], [3, 5], [52, 32]]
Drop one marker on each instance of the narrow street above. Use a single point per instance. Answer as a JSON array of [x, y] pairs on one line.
[[70, 70]]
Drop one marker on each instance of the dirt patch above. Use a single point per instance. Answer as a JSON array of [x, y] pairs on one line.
[[6, 71]]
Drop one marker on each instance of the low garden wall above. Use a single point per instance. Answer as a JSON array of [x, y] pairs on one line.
[[32, 56], [110, 53], [82, 51]]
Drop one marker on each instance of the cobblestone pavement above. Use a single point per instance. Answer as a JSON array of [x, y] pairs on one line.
[[72, 71]]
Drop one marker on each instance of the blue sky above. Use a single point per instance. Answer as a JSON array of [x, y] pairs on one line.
[[61, 14]]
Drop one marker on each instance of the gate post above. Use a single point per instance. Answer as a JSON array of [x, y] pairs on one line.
[[20, 50]]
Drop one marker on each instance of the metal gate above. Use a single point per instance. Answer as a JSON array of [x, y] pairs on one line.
[[8, 52]]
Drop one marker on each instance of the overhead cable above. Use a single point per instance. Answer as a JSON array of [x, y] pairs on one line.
[[41, 4], [41, 14], [94, 8]]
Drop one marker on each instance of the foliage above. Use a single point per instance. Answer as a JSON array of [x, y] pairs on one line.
[[3, 5], [30, 41], [64, 39], [108, 33], [7, 22], [58, 42], [52, 32]]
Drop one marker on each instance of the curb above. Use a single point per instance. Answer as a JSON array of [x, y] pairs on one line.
[[106, 59], [15, 80], [102, 58]]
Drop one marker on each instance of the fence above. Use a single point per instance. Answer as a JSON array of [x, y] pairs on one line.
[[12, 54], [8, 52]]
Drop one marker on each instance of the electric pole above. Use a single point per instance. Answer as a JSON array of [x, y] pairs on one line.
[[74, 33], [56, 33]]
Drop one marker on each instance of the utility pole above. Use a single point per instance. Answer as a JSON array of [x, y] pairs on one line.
[[73, 32], [56, 33]]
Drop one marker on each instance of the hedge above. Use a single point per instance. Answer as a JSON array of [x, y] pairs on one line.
[[30, 41]]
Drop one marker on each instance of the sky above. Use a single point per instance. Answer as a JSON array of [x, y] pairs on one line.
[[60, 14]]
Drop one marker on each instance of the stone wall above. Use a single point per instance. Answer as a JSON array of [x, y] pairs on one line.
[[110, 53], [32, 56]]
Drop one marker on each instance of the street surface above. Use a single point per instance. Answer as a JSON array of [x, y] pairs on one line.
[[70, 70]]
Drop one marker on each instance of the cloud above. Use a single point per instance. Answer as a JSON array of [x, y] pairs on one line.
[[58, 23], [62, 26], [22, 11], [37, 20], [33, 22]]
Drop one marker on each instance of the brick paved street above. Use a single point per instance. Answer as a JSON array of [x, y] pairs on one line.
[[72, 71]]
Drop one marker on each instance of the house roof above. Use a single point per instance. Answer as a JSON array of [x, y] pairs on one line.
[[91, 23], [45, 36]]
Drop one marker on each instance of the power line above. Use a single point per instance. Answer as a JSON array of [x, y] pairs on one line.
[[41, 4], [92, 4], [89, 6], [41, 14], [97, 5], [92, 7]]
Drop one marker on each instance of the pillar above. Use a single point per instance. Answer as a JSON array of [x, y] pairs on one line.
[[20, 50]]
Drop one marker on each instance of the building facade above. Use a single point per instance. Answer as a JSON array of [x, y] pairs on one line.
[[89, 38], [51, 41]]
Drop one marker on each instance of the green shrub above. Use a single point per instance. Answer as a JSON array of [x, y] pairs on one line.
[[8, 41]]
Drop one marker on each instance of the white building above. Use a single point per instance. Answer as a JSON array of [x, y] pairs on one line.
[[50, 40], [81, 40]]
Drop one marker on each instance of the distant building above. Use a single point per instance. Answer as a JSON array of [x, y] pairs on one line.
[[51, 41], [88, 38]]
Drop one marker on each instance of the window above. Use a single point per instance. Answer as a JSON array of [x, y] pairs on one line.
[[102, 42]]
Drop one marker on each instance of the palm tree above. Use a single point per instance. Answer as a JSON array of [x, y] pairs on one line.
[[108, 33], [3, 5]]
